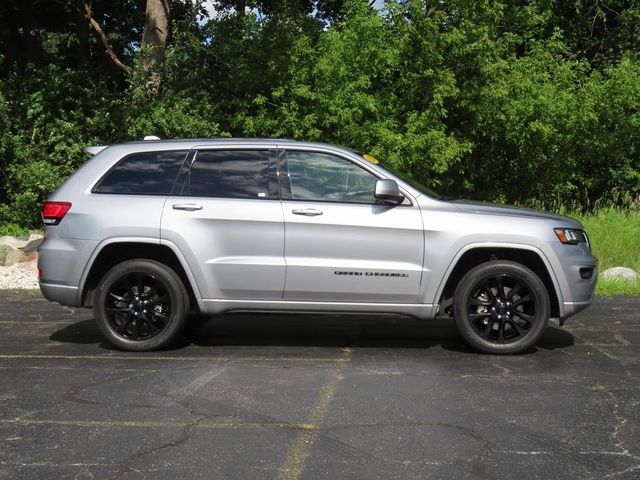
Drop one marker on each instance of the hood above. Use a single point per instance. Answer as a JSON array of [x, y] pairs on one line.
[[473, 206]]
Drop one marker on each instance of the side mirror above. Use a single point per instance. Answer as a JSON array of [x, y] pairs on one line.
[[387, 190]]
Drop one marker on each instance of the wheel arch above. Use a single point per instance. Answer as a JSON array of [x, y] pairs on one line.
[[474, 255], [116, 251]]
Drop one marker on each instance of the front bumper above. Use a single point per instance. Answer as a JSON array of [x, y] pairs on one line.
[[570, 264]]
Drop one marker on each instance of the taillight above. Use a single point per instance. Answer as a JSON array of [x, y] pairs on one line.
[[53, 212]]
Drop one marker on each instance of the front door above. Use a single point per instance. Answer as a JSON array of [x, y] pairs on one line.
[[340, 244]]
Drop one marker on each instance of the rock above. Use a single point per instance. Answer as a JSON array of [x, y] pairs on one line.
[[13, 241], [18, 256], [32, 243], [4, 251], [623, 273], [30, 266]]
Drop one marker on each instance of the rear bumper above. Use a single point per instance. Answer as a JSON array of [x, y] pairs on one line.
[[61, 262], [63, 294]]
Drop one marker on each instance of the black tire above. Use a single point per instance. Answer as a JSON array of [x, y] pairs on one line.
[[141, 305], [501, 307]]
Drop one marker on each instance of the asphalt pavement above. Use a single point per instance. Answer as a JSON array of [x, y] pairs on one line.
[[288, 397]]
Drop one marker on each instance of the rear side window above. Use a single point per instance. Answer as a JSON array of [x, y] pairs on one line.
[[229, 174], [144, 173]]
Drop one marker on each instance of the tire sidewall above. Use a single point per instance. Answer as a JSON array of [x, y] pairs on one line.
[[470, 281], [179, 303]]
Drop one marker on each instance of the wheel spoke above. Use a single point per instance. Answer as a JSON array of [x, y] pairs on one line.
[[152, 290], [500, 286], [485, 284], [117, 297], [515, 289], [475, 316], [151, 324], [476, 302], [122, 328], [486, 331], [163, 318], [158, 300], [129, 287], [139, 284], [501, 332], [522, 300], [138, 328], [524, 316], [518, 328], [114, 310]]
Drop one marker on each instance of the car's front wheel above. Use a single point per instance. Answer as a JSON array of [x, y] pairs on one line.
[[501, 307], [141, 305]]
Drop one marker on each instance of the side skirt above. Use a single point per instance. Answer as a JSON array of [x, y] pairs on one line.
[[215, 306]]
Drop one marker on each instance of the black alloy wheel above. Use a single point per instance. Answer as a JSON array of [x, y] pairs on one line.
[[141, 305], [138, 306], [501, 307]]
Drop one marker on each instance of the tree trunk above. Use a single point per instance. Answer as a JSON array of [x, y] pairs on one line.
[[154, 40]]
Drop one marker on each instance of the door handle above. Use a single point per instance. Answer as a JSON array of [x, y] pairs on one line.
[[189, 207], [309, 212]]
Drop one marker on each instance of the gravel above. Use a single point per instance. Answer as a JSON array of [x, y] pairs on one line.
[[19, 276]]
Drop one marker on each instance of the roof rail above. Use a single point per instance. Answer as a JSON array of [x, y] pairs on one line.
[[151, 137]]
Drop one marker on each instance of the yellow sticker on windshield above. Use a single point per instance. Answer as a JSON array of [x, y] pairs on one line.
[[371, 159]]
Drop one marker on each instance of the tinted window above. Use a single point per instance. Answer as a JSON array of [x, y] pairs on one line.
[[230, 174], [146, 173], [322, 177]]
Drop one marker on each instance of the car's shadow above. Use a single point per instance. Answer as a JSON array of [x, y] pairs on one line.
[[314, 330]]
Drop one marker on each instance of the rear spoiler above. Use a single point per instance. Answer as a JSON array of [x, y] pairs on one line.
[[95, 149]]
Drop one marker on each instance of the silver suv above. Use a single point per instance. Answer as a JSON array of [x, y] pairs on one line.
[[153, 233]]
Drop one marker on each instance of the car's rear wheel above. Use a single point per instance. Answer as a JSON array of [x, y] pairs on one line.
[[141, 305], [501, 307]]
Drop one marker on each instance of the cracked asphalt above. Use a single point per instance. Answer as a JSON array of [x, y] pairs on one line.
[[313, 397]]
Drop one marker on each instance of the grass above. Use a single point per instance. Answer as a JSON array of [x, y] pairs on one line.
[[615, 240]]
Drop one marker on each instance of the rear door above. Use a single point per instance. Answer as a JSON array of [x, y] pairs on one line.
[[227, 220], [340, 244]]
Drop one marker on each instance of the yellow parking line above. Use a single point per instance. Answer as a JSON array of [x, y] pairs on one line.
[[148, 424], [300, 450], [166, 357]]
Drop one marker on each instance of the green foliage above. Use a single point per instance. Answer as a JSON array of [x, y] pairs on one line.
[[179, 117], [13, 230], [535, 103]]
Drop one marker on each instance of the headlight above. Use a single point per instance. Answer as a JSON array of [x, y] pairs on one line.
[[571, 236]]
